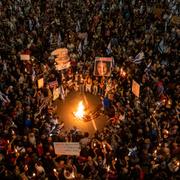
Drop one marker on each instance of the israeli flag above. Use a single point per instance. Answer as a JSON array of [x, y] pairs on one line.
[[4, 99], [80, 49], [162, 48], [78, 26], [138, 58], [59, 39], [109, 50], [148, 68]]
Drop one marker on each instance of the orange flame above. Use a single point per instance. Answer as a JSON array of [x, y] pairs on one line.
[[80, 111]]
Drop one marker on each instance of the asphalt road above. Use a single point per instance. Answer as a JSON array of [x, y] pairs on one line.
[[65, 111]]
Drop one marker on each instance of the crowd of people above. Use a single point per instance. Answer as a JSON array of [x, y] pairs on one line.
[[141, 139]]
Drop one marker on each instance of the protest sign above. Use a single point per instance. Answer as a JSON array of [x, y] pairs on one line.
[[61, 58], [41, 83], [135, 88], [55, 93], [61, 54], [67, 148], [25, 57]]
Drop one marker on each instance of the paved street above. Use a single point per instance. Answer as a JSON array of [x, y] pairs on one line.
[[65, 111]]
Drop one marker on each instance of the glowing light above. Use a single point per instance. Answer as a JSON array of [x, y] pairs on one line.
[[34, 174], [178, 163], [108, 168], [123, 73], [54, 170], [169, 102], [80, 111]]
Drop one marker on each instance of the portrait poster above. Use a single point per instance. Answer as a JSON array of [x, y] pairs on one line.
[[41, 83], [135, 88], [103, 66]]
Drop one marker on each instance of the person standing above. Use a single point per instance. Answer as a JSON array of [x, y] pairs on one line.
[[88, 84], [81, 83], [95, 86], [106, 104], [102, 86]]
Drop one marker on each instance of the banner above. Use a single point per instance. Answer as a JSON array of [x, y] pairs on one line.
[[67, 148], [53, 84], [25, 57], [135, 88], [102, 66], [55, 93], [41, 83]]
